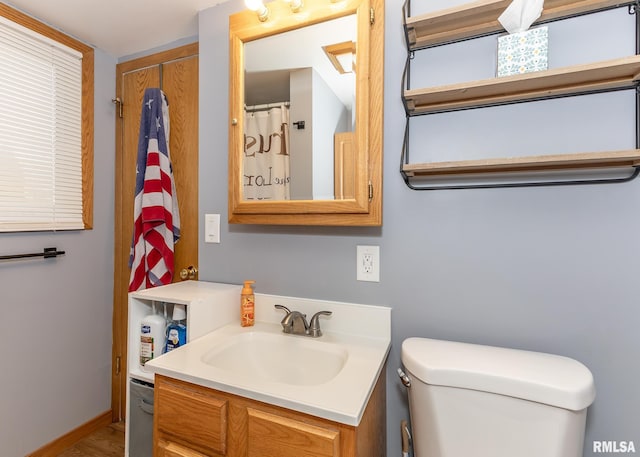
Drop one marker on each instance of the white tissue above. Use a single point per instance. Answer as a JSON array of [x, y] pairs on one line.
[[520, 14]]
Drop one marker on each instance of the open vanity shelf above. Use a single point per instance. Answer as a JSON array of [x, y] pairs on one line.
[[478, 19]]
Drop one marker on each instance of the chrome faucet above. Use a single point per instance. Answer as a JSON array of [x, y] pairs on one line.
[[295, 322]]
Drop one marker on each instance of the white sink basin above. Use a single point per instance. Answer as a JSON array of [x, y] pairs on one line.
[[287, 359], [330, 377]]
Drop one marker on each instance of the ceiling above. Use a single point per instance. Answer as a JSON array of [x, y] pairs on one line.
[[119, 27]]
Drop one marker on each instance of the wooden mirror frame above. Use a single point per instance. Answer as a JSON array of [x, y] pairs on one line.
[[365, 209]]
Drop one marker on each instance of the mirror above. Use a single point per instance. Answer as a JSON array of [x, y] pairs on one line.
[[305, 135], [299, 98]]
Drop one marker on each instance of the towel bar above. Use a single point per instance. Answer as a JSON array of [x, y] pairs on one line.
[[47, 253]]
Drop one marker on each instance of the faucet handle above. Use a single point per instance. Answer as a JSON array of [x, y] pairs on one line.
[[287, 310], [314, 324]]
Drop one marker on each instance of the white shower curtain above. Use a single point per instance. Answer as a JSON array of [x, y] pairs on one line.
[[266, 154]]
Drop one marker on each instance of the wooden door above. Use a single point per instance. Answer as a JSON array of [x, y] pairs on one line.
[[176, 72]]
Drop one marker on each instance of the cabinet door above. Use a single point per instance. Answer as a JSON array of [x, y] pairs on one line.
[[192, 417], [270, 435]]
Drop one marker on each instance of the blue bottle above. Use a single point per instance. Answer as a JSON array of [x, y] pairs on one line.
[[177, 329]]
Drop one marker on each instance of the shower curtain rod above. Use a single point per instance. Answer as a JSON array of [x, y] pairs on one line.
[[264, 106], [47, 253]]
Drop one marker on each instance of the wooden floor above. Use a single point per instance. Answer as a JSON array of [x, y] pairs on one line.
[[106, 442]]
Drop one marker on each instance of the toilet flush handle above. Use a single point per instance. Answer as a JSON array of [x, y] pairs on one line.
[[404, 378]]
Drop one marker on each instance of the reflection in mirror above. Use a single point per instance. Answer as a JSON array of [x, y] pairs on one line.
[[299, 95]]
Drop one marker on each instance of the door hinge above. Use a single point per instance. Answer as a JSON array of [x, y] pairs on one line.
[[118, 364], [370, 191], [372, 15], [118, 102]]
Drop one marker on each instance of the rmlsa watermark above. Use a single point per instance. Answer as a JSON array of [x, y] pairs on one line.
[[614, 447]]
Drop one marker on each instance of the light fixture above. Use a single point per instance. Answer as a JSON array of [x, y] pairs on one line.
[[342, 56], [257, 6], [296, 5]]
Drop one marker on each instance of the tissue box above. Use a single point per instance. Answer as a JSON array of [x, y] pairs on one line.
[[523, 52]]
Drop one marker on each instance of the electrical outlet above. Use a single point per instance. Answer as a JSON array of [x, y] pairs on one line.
[[368, 263]]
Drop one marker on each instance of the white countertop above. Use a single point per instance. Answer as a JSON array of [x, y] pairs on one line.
[[342, 399]]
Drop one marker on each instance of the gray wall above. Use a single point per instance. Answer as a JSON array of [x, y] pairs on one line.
[[56, 313], [548, 269]]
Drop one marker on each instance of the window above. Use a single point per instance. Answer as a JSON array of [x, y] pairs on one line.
[[46, 127]]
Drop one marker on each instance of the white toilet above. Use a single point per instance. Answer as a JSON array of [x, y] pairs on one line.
[[469, 400]]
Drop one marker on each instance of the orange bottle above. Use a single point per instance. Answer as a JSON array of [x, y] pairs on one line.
[[247, 305]]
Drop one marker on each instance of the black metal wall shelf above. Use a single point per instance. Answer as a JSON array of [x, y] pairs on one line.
[[479, 19]]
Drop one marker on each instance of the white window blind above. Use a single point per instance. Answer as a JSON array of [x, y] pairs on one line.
[[40, 132]]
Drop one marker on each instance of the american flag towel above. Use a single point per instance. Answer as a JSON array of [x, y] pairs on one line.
[[156, 217]]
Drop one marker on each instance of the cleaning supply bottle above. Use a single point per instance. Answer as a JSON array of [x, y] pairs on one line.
[[247, 305], [177, 328], [152, 335]]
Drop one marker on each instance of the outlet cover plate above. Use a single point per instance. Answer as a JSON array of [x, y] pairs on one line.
[[368, 263]]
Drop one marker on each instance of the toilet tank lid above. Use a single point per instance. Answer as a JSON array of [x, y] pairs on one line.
[[545, 378]]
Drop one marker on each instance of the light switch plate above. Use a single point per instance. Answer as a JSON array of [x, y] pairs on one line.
[[212, 228]]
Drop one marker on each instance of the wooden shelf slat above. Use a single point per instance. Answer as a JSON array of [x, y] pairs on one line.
[[481, 18], [575, 161], [609, 75]]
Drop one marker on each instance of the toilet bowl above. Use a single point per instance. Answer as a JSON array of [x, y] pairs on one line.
[[482, 401]]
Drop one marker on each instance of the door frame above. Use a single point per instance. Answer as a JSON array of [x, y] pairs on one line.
[[122, 240]]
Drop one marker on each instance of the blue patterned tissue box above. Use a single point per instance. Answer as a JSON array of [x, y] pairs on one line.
[[523, 52]]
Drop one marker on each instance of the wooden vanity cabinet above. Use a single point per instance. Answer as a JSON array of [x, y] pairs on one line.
[[196, 421]]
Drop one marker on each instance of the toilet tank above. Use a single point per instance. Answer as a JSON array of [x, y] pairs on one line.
[[484, 401]]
